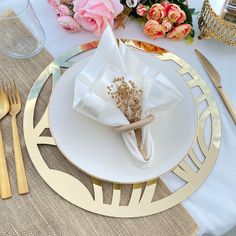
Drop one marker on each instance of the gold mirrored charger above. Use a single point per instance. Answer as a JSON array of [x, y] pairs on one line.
[[192, 170]]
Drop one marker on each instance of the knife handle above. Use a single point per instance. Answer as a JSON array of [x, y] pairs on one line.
[[228, 104]]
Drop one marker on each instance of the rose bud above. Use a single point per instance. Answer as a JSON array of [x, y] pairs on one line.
[[154, 30], [141, 10], [167, 24], [175, 14], [179, 32], [156, 12]]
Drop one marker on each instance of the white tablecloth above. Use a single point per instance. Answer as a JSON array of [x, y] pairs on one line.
[[213, 205]]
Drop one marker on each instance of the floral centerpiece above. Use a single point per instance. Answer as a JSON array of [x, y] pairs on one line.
[[161, 18]]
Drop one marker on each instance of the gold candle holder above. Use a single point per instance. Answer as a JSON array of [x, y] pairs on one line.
[[215, 26]]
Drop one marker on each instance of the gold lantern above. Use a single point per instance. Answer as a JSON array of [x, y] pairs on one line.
[[218, 21]]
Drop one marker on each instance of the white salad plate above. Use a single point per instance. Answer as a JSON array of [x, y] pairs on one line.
[[100, 152]]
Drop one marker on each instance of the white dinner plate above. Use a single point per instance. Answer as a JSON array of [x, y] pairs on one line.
[[100, 152]]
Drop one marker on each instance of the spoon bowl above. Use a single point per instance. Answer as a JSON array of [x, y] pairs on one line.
[[4, 104]]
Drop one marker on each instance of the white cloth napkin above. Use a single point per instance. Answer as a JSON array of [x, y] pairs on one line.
[[91, 97]]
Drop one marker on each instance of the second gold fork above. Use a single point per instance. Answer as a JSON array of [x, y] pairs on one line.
[[15, 108]]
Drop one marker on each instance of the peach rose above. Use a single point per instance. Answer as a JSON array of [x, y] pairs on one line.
[[63, 10], [141, 9], [54, 3], [68, 23], [179, 32], [156, 12], [164, 3], [94, 15], [174, 13], [167, 24], [154, 30]]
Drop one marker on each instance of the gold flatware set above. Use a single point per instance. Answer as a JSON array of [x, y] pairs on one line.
[[10, 103]]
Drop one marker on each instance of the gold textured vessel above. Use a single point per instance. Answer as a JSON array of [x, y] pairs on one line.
[[218, 23]]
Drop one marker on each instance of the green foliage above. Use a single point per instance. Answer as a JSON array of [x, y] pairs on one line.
[[191, 10], [140, 20]]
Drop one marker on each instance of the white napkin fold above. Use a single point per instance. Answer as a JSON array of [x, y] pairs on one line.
[[91, 98]]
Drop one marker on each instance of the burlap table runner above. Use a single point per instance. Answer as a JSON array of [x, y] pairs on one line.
[[44, 212]]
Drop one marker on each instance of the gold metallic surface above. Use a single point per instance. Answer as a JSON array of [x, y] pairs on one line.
[[15, 109], [141, 201], [5, 188], [216, 80], [213, 26], [135, 125]]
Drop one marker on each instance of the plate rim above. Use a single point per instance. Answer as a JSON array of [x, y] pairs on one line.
[[127, 182]]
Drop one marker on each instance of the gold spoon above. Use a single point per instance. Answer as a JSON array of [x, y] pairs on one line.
[[5, 188]]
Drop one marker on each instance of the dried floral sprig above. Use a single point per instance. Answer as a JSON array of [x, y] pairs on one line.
[[122, 18], [128, 98]]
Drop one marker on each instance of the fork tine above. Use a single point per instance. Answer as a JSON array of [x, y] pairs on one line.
[[12, 92], [2, 87], [17, 92], [8, 93]]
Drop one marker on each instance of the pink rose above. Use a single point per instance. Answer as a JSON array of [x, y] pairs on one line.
[[156, 12], [141, 10], [68, 23], [63, 10], [54, 3], [185, 2], [154, 30], [179, 32], [167, 24], [94, 15], [174, 13]]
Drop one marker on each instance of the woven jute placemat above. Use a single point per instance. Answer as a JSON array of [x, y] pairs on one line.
[[44, 212]]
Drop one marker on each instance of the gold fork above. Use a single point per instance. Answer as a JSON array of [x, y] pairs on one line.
[[15, 108], [4, 177]]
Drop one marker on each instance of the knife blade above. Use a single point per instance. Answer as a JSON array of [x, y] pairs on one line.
[[216, 80]]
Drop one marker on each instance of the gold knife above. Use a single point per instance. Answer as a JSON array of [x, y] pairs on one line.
[[216, 80]]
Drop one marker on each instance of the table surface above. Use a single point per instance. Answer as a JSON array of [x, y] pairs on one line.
[[213, 205]]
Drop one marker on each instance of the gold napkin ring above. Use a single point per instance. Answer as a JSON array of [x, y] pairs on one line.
[[133, 126]]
